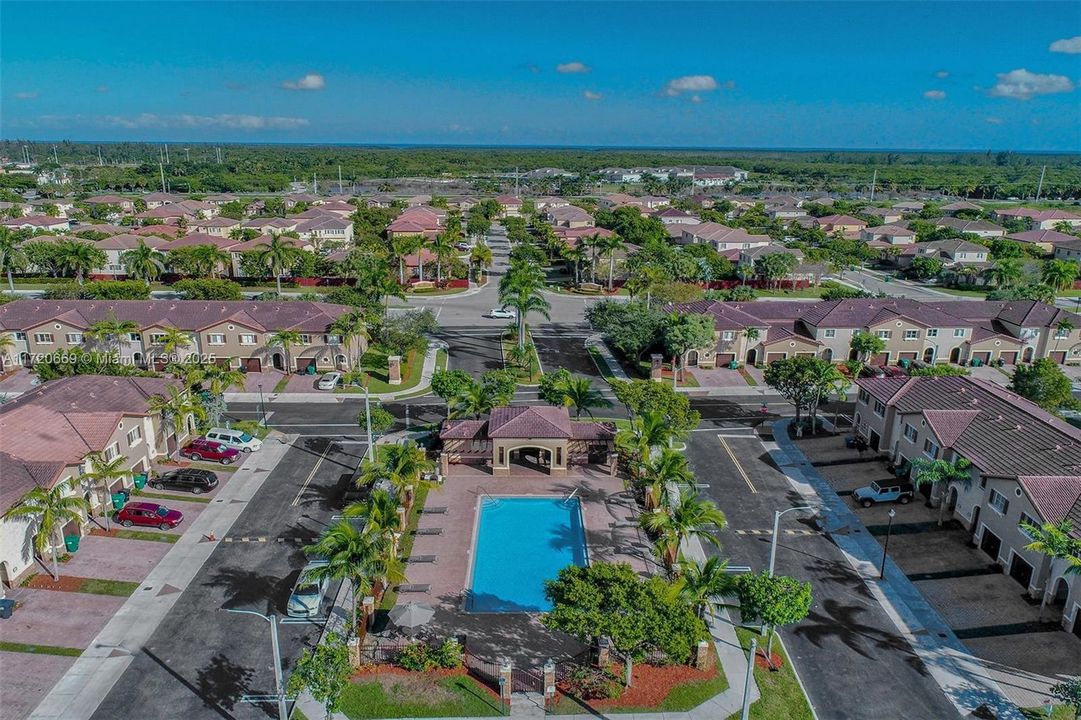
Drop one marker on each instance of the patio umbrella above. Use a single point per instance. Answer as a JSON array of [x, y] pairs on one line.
[[411, 615]]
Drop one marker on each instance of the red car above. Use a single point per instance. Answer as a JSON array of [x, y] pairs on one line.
[[203, 449], [144, 513]]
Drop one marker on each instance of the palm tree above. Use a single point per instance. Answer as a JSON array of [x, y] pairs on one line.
[[647, 431], [1054, 541], [380, 511], [579, 393], [210, 259], [520, 289], [172, 340], [350, 327], [575, 256], [477, 400], [51, 510], [689, 517], [658, 473], [384, 286], [1062, 331], [286, 339], [175, 407], [101, 474], [1005, 272], [277, 257], [699, 585], [443, 247], [941, 473], [142, 262], [79, 258], [216, 380], [355, 556], [7, 343], [111, 331], [402, 246], [407, 464], [1059, 274], [607, 247], [12, 258], [480, 257]]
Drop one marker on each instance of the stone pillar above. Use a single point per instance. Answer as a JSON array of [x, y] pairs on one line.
[[604, 652], [394, 369], [444, 464], [401, 517], [656, 363], [703, 658], [354, 651], [505, 681], [549, 682], [367, 606]]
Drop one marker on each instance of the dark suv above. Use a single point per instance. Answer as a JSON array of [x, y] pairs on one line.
[[191, 479]]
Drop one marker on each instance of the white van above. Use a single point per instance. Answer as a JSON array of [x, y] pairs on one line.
[[236, 439]]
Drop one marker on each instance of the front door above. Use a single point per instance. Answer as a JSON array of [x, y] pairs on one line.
[[1059, 357], [874, 440], [990, 544], [1021, 571]]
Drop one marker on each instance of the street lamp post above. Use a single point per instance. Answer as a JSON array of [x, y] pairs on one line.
[[745, 711], [886, 546], [262, 405], [279, 685], [776, 528], [368, 422]]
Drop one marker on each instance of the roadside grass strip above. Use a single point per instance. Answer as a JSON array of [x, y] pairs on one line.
[[39, 649]]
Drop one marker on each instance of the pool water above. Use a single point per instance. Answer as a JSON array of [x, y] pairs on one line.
[[521, 542]]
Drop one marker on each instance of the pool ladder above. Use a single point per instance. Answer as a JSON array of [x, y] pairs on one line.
[[571, 496], [488, 495]]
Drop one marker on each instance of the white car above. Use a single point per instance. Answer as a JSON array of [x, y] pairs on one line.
[[329, 381], [502, 314], [464, 246], [238, 439], [306, 600]]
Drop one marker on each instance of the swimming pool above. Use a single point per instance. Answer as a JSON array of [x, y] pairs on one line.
[[521, 542]]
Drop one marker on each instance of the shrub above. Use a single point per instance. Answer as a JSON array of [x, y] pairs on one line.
[[209, 289], [416, 656], [449, 654], [590, 683]]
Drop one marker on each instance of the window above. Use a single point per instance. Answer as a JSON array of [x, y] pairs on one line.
[[247, 339], [43, 338], [728, 336], [829, 333], [1062, 333], [885, 334], [930, 449], [156, 338], [998, 502], [912, 334], [334, 339], [74, 338], [880, 409], [959, 332], [932, 332], [134, 337], [111, 452], [864, 397], [910, 433], [305, 339], [1024, 520], [20, 336], [215, 339], [135, 435]]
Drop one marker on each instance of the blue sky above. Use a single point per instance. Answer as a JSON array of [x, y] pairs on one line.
[[942, 75]]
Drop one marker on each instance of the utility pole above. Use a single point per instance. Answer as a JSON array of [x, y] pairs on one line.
[[167, 153], [55, 158], [516, 181], [315, 185], [100, 161], [874, 179], [339, 179], [161, 168], [187, 156], [1039, 188]]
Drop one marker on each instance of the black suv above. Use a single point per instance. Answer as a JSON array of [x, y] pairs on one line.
[[194, 480]]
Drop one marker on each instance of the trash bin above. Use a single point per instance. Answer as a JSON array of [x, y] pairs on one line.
[[6, 606], [976, 362], [734, 365], [140, 481], [118, 500], [310, 370], [905, 362], [71, 542]]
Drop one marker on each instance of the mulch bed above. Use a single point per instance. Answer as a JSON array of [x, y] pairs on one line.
[[650, 685], [775, 662], [66, 583], [101, 532]]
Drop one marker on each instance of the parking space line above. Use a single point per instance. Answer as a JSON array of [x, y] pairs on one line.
[[739, 468], [311, 475]]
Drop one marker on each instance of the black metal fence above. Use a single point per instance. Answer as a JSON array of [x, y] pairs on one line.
[[483, 671]]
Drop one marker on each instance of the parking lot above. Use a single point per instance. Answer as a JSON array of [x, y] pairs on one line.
[[474, 352], [565, 351], [989, 611]]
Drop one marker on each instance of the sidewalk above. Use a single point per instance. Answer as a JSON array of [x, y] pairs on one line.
[[426, 371], [964, 679], [86, 684]]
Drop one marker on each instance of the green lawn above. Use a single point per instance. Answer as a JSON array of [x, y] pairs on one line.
[[377, 375], [441, 359], [163, 496], [1060, 712], [600, 362], [525, 377], [39, 649], [562, 290], [282, 384], [252, 427], [406, 547], [417, 695], [961, 292], [782, 697], [144, 535], [97, 586], [811, 292], [643, 368]]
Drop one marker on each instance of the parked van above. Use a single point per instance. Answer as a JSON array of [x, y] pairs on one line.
[[236, 439]]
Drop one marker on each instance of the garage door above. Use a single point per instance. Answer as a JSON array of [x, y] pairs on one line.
[[880, 359], [304, 363], [1059, 357], [253, 365], [1021, 571], [908, 356], [990, 544], [773, 357], [984, 357], [1010, 358], [725, 358]]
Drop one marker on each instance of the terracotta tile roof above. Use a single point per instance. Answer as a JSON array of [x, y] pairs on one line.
[[947, 425], [196, 239], [1054, 496], [1053, 237], [127, 241], [725, 315], [530, 422], [592, 431], [464, 429]]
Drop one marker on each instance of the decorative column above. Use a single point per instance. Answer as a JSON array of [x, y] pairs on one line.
[[505, 671], [549, 682], [604, 651], [656, 363], [394, 369], [367, 606], [703, 658]]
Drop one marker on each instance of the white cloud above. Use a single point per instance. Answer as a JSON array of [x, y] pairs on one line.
[[1021, 84], [1070, 46], [311, 81], [696, 99], [942, 74], [184, 121], [935, 94], [574, 67], [994, 121], [27, 94], [590, 95], [690, 83]]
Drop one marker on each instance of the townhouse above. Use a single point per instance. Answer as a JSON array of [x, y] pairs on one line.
[[888, 216], [979, 228], [1046, 240], [1024, 469], [216, 226], [675, 216], [844, 224], [46, 435], [38, 223], [1040, 219], [126, 205], [116, 245], [157, 199], [425, 221], [722, 237], [952, 252], [891, 234], [957, 332], [233, 332], [568, 216], [718, 176], [509, 206]]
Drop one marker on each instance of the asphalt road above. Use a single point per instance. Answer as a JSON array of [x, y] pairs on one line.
[[202, 660], [848, 653], [875, 282]]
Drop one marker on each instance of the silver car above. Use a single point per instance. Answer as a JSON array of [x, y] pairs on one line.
[[329, 381], [306, 600]]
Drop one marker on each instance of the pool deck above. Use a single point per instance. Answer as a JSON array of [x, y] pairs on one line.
[[516, 635]]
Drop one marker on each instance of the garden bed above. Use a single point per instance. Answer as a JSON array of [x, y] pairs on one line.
[[92, 586], [781, 694], [672, 688], [525, 376]]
